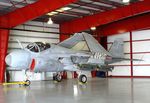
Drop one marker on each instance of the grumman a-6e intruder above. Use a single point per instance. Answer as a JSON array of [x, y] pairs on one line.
[[40, 57]]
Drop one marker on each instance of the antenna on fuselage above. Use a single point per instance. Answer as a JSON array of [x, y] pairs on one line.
[[21, 46]]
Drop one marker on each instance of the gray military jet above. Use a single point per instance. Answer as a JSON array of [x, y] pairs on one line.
[[78, 53]]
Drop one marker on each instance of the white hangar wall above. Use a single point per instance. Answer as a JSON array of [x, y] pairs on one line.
[[137, 45], [32, 32]]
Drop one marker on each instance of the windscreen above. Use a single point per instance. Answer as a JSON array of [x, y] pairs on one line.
[[38, 46]]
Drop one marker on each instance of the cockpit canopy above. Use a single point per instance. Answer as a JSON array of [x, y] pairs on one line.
[[38, 46]]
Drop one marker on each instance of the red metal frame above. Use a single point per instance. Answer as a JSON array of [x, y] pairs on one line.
[[116, 76], [3, 50], [126, 25], [31, 11], [63, 36], [131, 55], [84, 23]]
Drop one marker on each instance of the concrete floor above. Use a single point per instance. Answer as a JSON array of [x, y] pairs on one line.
[[97, 90]]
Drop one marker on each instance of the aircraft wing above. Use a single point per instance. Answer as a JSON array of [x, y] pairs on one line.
[[72, 41], [63, 55], [90, 44]]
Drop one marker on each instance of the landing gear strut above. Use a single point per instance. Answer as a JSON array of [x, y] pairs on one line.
[[82, 78]]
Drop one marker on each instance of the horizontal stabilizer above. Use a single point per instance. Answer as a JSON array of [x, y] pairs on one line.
[[127, 59], [122, 59]]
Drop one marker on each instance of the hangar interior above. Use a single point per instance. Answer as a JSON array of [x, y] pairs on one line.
[[27, 21]]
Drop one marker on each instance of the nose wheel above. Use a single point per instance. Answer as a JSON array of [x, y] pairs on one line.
[[27, 83], [83, 78]]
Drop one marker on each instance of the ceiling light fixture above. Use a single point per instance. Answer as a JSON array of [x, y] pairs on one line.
[[93, 28], [125, 1], [50, 21], [52, 13], [66, 8], [63, 9], [58, 11]]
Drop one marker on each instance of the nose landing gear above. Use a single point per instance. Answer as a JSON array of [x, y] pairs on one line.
[[27, 83]]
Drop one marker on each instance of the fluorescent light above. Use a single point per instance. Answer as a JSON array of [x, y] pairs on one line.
[[50, 21], [60, 10], [52, 13], [66, 8], [93, 28], [63, 9], [125, 1]]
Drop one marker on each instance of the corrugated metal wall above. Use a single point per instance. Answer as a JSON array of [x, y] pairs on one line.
[[140, 41], [31, 32]]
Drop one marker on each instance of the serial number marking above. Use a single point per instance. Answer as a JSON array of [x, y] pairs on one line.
[[98, 55]]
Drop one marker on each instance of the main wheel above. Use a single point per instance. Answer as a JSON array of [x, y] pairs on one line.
[[58, 78], [82, 78]]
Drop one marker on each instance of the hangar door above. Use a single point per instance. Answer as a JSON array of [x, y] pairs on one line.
[[136, 46]]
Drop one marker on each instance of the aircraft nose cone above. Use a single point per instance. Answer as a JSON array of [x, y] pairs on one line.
[[18, 59], [8, 60]]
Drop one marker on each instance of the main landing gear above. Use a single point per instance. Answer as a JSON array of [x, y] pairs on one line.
[[82, 78], [57, 77]]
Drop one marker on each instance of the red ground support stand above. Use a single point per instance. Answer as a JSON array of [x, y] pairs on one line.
[[64, 75], [93, 73], [75, 75]]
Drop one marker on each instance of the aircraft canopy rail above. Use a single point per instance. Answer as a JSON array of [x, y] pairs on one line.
[[38, 46]]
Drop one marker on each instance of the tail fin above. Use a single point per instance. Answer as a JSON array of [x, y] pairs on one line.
[[90, 41], [116, 49]]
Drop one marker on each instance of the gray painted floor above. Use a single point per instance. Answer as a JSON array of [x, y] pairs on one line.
[[97, 90]]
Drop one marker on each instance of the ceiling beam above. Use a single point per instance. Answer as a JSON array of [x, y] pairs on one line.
[[130, 24], [98, 19], [31, 12]]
